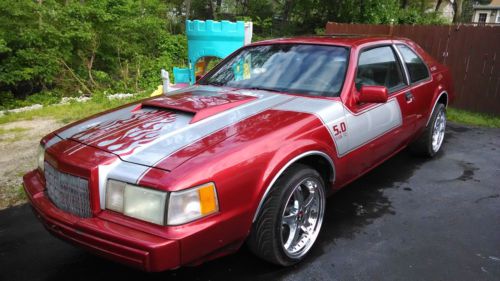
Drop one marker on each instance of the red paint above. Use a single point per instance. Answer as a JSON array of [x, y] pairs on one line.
[[242, 159], [194, 103], [373, 94]]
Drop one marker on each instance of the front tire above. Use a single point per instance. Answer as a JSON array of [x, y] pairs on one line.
[[290, 218], [431, 140]]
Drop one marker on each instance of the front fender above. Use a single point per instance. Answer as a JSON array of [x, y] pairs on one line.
[[284, 158]]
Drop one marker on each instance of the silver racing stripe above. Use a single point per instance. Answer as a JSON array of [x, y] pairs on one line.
[[55, 139], [327, 111], [169, 143], [131, 167], [371, 124], [120, 114], [151, 154], [360, 128]]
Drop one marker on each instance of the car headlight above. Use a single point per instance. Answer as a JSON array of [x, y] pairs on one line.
[[191, 204], [151, 205], [41, 157], [136, 202]]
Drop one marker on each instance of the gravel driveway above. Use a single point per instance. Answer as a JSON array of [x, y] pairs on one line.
[[18, 148]]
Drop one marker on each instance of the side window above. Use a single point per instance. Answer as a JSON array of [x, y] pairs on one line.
[[379, 67], [416, 67]]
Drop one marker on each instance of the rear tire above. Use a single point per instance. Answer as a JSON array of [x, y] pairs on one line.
[[430, 142], [290, 218]]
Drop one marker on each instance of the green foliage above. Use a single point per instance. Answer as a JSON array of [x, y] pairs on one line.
[[55, 48], [8, 101], [84, 46]]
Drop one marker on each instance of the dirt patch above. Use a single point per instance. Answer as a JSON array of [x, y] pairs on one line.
[[18, 148]]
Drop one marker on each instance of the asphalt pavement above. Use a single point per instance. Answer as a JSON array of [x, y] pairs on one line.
[[408, 219]]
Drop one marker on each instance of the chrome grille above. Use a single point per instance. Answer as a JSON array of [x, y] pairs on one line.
[[67, 192]]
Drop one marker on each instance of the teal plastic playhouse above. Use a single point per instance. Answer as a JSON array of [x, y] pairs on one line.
[[211, 39]]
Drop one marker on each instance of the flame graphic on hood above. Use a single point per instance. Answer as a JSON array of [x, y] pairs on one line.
[[123, 136]]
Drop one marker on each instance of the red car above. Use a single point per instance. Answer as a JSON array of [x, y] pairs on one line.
[[248, 154]]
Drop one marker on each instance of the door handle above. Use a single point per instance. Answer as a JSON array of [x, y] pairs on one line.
[[409, 96]]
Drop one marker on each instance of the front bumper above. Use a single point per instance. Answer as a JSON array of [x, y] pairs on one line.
[[102, 237]]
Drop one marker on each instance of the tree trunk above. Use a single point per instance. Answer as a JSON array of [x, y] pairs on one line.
[[287, 9], [90, 64], [438, 5], [362, 10], [218, 6], [188, 8], [40, 2], [457, 7], [211, 10]]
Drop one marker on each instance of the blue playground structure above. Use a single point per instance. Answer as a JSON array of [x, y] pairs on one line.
[[211, 39]]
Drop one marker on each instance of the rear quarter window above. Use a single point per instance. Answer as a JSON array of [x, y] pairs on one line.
[[416, 67]]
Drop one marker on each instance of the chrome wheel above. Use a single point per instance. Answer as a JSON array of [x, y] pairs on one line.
[[302, 217], [438, 131]]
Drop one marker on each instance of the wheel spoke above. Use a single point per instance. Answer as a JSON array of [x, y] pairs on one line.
[[309, 201], [289, 219], [299, 197], [305, 229], [292, 236]]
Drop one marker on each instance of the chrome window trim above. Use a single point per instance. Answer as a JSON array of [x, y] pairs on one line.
[[288, 164], [381, 45], [429, 74], [403, 64]]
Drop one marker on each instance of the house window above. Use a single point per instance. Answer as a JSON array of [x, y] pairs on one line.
[[498, 16], [482, 17]]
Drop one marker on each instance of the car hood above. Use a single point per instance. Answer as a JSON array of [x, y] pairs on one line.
[[150, 131]]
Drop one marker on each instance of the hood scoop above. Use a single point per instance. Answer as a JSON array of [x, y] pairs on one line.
[[201, 104]]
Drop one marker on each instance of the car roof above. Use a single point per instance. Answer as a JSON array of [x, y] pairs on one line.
[[348, 40]]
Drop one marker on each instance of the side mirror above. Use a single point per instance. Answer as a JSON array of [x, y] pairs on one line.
[[373, 94]]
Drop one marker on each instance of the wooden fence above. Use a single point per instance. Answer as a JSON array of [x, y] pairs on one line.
[[471, 52]]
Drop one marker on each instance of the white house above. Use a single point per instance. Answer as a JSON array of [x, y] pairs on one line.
[[487, 14]]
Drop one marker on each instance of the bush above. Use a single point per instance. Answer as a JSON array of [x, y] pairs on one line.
[[79, 47]]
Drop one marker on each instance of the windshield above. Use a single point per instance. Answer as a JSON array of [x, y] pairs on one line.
[[305, 69]]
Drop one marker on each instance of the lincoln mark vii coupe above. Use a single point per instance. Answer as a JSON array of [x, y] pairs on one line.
[[246, 155]]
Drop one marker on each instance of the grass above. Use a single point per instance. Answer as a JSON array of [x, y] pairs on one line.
[[69, 112], [12, 130], [472, 118], [20, 194]]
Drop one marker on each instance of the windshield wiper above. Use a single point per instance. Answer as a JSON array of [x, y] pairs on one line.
[[214, 83], [263, 89]]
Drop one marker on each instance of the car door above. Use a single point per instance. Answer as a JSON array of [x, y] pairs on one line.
[[421, 86], [377, 130]]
